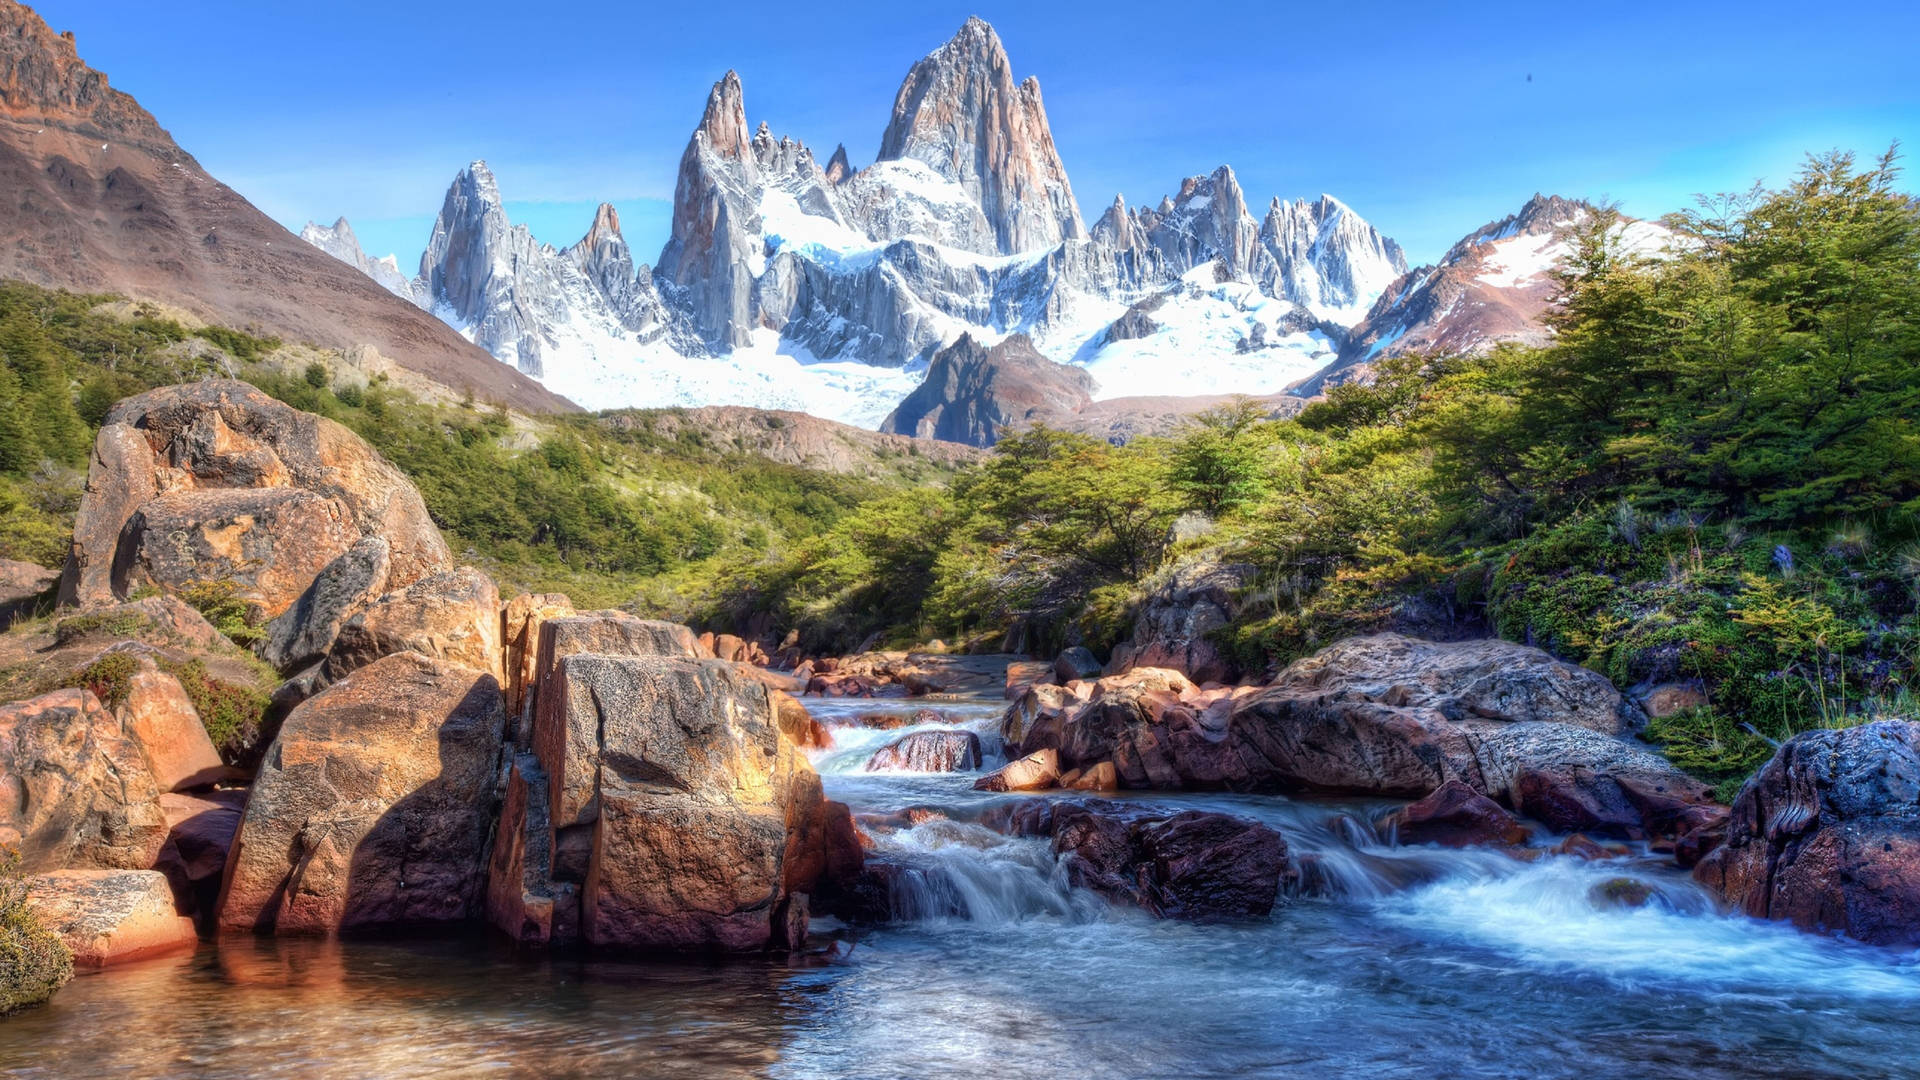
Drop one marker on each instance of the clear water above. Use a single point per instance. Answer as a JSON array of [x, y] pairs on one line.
[[1409, 962]]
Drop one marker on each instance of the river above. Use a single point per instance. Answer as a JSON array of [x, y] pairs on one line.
[[1402, 962]]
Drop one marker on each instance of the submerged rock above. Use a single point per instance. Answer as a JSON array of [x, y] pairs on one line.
[[1827, 836], [1194, 864], [1455, 815]]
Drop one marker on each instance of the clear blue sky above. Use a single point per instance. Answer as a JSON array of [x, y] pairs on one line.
[[1419, 117]]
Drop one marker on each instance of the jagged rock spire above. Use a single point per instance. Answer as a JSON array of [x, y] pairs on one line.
[[960, 112], [839, 169]]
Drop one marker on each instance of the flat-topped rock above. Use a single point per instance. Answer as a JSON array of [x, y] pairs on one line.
[[109, 917]]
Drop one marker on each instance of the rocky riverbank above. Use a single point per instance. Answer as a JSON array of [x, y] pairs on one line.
[[437, 757]]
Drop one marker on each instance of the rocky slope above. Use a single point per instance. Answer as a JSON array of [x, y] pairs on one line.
[[339, 241], [98, 197], [1492, 286]]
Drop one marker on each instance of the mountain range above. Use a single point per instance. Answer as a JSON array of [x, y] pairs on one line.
[[948, 289], [953, 285]]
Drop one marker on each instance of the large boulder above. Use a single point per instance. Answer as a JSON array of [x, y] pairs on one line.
[[108, 917], [216, 481], [1194, 864], [603, 633], [1827, 836], [373, 806], [928, 752], [452, 615], [1172, 626], [301, 635], [701, 826], [1389, 715], [75, 790]]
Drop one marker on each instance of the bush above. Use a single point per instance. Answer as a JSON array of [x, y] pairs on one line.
[[34, 962], [110, 678], [231, 713], [222, 606]]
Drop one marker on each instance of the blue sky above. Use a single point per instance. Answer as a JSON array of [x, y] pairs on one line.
[[1418, 115]]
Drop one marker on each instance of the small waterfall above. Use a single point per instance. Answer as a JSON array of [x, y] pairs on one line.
[[951, 870]]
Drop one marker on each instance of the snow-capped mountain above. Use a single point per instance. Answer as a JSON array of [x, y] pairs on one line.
[[1492, 286], [787, 285], [338, 241]]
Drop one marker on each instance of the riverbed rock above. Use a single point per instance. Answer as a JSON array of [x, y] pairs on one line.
[[215, 481], [1195, 864], [373, 806], [302, 635], [1389, 715], [1455, 815], [1827, 836], [704, 826], [75, 791], [929, 752], [453, 615], [1035, 772], [109, 917]]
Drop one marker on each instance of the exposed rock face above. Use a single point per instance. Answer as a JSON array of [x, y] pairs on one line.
[[1387, 715], [794, 438], [604, 633], [1827, 836], [1075, 663], [960, 112], [1171, 628], [103, 200], [1195, 865], [520, 623], [520, 299], [453, 615], [215, 481], [973, 392], [110, 917], [374, 805], [1327, 259], [929, 751], [75, 790], [301, 635], [701, 827], [200, 834]]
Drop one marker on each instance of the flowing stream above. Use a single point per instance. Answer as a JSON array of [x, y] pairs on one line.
[[1393, 962]]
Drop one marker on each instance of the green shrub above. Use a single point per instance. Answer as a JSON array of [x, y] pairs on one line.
[[220, 602], [231, 712], [34, 962], [110, 678]]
